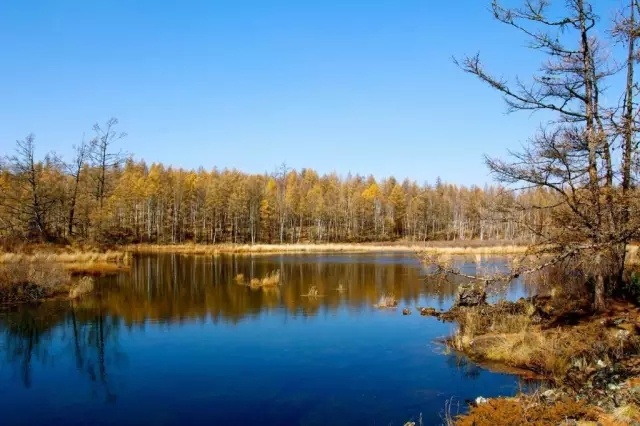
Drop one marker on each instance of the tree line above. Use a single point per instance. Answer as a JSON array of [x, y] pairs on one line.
[[104, 195]]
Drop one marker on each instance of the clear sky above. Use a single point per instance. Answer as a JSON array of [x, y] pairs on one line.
[[365, 87]]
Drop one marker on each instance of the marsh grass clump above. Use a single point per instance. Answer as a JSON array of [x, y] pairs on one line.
[[526, 410], [312, 293], [84, 286], [27, 281], [272, 279], [387, 300]]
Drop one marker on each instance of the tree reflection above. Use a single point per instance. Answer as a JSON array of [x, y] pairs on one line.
[[176, 288], [89, 336]]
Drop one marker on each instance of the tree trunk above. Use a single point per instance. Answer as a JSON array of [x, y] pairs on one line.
[[599, 299], [599, 289]]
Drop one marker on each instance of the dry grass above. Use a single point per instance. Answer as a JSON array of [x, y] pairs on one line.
[[272, 279], [444, 248], [470, 250], [84, 286], [508, 333], [26, 281], [312, 293], [77, 257], [216, 249], [74, 262], [387, 301], [625, 415], [527, 410], [581, 353]]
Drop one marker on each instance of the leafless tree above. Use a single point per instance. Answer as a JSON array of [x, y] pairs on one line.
[[587, 154], [104, 158], [33, 198], [74, 168]]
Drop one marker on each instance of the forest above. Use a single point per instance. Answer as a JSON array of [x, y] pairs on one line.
[[103, 195]]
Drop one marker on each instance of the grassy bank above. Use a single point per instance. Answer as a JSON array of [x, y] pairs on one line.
[[443, 248], [37, 272], [26, 281], [75, 261], [591, 362]]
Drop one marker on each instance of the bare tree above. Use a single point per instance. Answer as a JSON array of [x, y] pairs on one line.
[[104, 158], [575, 155], [81, 154], [32, 197]]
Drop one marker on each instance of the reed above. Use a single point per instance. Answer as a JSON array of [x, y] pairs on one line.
[[272, 279], [387, 300], [84, 286]]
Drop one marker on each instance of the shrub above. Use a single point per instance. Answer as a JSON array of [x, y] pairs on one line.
[[26, 281]]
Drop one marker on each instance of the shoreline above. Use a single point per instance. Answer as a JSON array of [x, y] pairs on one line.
[[75, 262], [435, 248], [47, 273], [578, 382]]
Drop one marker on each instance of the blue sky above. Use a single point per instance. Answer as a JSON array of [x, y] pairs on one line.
[[365, 87]]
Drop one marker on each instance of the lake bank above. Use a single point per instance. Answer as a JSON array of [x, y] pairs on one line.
[[590, 362], [435, 248], [42, 273], [31, 281]]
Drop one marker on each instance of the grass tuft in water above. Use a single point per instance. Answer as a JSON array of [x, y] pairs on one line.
[[84, 286], [387, 301]]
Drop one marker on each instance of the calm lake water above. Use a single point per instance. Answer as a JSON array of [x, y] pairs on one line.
[[179, 340]]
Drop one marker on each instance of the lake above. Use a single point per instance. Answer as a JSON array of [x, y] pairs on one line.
[[183, 340]]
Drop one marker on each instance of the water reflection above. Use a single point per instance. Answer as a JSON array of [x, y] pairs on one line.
[[44, 334], [178, 340], [174, 287]]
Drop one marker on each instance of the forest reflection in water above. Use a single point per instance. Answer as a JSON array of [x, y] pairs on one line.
[[103, 347], [177, 287], [42, 335]]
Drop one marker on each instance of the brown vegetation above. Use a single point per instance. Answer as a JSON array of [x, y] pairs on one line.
[[443, 248], [33, 272], [530, 335], [527, 411], [75, 261], [272, 279], [592, 361], [387, 300], [26, 281], [84, 286]]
